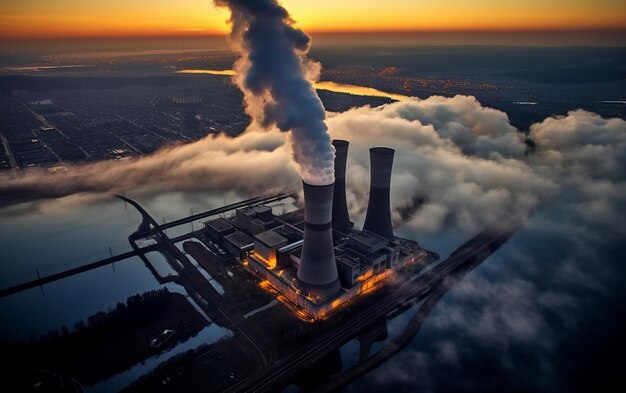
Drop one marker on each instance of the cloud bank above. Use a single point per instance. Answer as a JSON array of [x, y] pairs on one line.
[[458, 164], [541, 315]]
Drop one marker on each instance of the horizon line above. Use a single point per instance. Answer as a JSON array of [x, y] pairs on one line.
[[217, 34]]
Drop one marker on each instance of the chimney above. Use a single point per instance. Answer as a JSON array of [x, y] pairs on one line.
[[341, 218], [378, 217], [317, 273]]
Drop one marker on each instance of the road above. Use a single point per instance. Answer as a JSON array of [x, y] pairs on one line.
[[284, 370], [193, 282]]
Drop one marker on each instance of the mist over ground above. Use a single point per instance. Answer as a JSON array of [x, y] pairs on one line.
[[534, 315]]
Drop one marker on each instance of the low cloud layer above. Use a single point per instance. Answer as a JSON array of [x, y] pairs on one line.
[[458, 164], [542, 314], [248, 163], [459, 167]]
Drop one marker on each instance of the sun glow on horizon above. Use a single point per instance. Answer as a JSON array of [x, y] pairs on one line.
[[75, 18]]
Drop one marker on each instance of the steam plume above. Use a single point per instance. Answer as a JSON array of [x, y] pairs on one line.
[[274, 75]]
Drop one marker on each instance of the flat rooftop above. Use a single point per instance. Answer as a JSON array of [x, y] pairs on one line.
[[262, 209], [240, 239], [219, 225], [248, 211], [270, 238], [367, 240]]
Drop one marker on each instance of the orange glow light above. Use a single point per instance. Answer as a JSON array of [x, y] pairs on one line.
[[210, 72], [76, 18], [336, 303], [372, 284], [271, 264], [265, 284], [365, 276]]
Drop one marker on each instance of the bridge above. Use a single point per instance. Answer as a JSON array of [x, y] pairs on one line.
[[139, 251]]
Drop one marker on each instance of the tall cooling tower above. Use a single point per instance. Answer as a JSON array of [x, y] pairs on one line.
[[341, 218], [378, 217], [317, 274]]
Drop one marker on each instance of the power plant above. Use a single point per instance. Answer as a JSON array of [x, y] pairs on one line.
[[314, 256]]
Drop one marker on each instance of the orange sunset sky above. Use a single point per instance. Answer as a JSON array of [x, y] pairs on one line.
[[80, 18]]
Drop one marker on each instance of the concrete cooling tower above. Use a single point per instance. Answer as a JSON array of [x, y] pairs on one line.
[[378, 217], [341, 218], [317, 272]]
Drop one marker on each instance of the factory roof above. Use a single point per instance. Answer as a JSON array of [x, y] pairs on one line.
[[367, 240], [270, 238], [262, 209], [349, 262], [219, 225], [256, 221], [248, 211], [239, 239], [289, 233]]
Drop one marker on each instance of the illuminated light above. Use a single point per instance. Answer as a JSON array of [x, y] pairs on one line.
[[358, 90], [371, 285], [365, 276], [211, 72], [325, 85], [271, 264], [62, 18], [297, 311]]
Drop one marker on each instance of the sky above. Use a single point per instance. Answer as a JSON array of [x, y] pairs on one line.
[[21, 19]]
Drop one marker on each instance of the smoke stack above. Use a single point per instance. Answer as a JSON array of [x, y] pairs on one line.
[[341, 218], [317, 274], [378, 217]]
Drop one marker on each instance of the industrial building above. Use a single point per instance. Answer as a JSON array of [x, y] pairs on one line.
[[322, 262], [218, 228], [238, 244]]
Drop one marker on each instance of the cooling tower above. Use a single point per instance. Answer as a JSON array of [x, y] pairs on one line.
[[341, 219], [317, 273], [378, 217]]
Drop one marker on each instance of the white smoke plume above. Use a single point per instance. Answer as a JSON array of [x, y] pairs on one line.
[[275, 76]]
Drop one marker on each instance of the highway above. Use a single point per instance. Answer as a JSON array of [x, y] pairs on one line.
[[284, 370]]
